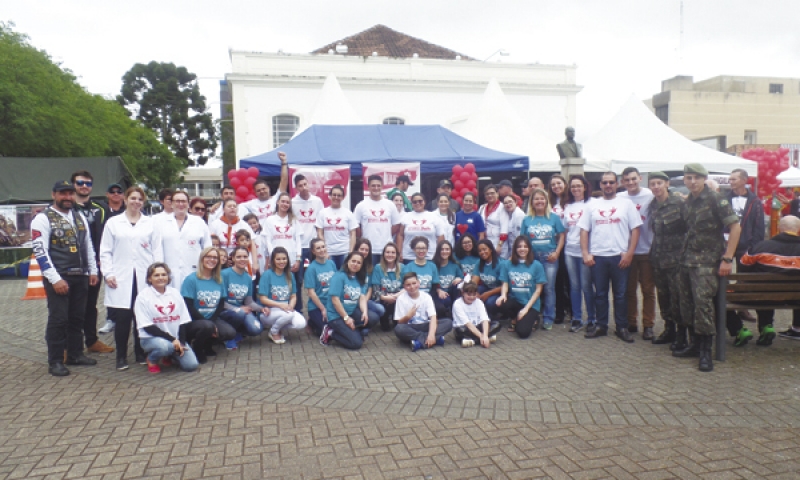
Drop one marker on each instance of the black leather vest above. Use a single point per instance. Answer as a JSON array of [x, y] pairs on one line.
[[66, 247]]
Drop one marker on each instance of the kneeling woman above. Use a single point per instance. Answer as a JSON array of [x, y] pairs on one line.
[[523, 279], [348, 314], [416, 317], [164, 322], [277, 290], [317, 281], [470, 321], [386, 283], [240, 310]]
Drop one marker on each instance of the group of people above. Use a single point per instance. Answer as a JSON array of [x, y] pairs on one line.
[[190, 276]]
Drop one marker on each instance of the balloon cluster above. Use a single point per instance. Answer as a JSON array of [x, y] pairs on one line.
[[464, 179], [242, 181], [770, 164]]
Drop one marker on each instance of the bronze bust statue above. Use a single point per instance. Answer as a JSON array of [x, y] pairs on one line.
[[569, 148]]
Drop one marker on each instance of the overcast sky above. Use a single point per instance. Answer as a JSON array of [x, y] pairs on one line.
[[621, 47]]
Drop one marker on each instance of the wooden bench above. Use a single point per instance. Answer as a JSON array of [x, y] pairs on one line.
[[751, 291]]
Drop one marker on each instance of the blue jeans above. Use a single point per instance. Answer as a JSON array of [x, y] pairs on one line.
[[315, 321], [491, 303], [243, 322], [338, 260], [376, 308], [157, 348], [605, 273], [351, 339], [581, 289], [549, 290]]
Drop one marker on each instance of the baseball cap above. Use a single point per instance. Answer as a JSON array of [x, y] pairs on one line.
[[114, 185], [445, 183], [63, 186], [505, 183]]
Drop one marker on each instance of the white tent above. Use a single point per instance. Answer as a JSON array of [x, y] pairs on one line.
[[635, 137], [790, 177], [496, 125], [332, 108]]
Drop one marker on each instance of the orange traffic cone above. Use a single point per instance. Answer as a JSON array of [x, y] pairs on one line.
[[35, 286]]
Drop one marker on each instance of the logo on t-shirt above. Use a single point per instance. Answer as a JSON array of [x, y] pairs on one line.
[[334, 223], [540, 232], [324, 279], [282, 228], [145, 245], [279, 292], [306, 213], [639, 209], [425, 281], [351, 293], [378, 216], [520, 279], [208, 298], [237, 290], [166, 309], [608, 216]]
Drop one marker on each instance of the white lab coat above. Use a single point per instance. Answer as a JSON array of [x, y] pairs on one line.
[[496, 223], [182, 246], [126, 249]]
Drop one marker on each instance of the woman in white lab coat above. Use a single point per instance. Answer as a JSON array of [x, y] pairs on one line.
[[183, 237], [129, 246]]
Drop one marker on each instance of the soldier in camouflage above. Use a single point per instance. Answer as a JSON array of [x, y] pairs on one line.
[[668, 224], [704, 256]]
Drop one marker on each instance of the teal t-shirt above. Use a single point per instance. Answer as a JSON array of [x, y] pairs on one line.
[[427, 274], [448, 273], [275, 287], [542, 232], [490, 275], [385, 283], [318, 276], [348, 290], [206, 293], [469, 264], [238, 286], [522, 280]]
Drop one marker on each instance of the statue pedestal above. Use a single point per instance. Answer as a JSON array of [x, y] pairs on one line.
[[572, 166]]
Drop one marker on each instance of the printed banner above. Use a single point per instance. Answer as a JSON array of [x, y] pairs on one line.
[[321, 179], [390, 172], [15, 225]]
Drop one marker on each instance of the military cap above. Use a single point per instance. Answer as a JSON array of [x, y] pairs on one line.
[[661, 175], [696, 168]]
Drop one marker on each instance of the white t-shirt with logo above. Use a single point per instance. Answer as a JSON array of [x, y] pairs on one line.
[[306, 212], [337, 223], [425, 308], [572, 213], [262, 210], [642, 202], [609, 223], [376, 220], [421, 224]]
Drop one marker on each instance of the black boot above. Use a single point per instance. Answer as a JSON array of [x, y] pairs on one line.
[[706, 365], [693, 349], [680, 339], [668, 336]]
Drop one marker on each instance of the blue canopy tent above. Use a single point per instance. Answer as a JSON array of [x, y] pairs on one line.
[[435, 147]]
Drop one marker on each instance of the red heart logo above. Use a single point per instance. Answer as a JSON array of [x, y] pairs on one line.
[[462, 228], [503, 237]]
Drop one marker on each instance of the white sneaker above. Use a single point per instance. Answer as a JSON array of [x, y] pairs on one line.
[[107, 328], [493, 339], [467, 342]]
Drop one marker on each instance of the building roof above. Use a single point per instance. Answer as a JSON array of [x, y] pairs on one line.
[[390, 43]]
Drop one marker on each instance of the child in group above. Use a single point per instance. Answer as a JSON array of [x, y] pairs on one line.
[[415, 313], [243, 239], [223, 257], [427, 273], [471, 323], [215, 242], [260, 243]]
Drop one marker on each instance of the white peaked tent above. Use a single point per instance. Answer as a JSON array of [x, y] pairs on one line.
[[635, 137], [790, 177], [332, 108]]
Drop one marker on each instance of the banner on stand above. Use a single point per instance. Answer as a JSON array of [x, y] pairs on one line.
[[390, 172], [321, 179], [15, 225]]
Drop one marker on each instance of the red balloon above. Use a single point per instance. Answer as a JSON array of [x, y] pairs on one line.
[[242, 174], [457, 169], [471, 184], [458, 185], [465, 176], [240, 199], [253, 172], [249, 182], [231, 174], [250, 196], [242, 191], [236, 182], [469, 168]]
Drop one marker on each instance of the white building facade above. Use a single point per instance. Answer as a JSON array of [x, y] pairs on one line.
[[274, 93]]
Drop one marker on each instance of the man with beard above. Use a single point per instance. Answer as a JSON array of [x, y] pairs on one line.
[[63, 247]]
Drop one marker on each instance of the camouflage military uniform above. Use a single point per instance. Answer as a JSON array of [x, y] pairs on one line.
[[706, 217], [668, 224]]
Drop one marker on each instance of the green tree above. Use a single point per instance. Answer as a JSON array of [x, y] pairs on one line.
[[167, 100], [44, 112]]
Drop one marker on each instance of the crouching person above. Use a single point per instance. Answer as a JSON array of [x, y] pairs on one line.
[[163, 321], [416, 317], [471, 323]]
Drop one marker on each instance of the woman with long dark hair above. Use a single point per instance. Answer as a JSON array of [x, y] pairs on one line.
[[523, 279], [468, 220], [317, 281], [240, 310], [450, 277], [387, 283], [580, 276], [494, 217], [487, 276], [558, 196], [277, 290], [348, 314], [466, 253]]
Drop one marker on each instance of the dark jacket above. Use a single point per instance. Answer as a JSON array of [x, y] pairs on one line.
[[752, 223], [779, 254]]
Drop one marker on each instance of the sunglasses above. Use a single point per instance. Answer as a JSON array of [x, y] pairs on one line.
[[608, 182], [198, 209], [83, 183], [115, 192]]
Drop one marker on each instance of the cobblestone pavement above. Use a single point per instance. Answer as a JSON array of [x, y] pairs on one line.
[[553, 406]]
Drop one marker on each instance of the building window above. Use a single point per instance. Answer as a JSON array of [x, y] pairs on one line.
[[283, 127], [662, 113], [394, 121], [750, 137], [209, 190], [775, 88]]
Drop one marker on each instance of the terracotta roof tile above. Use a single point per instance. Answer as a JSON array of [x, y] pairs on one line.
[[390, 43]]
